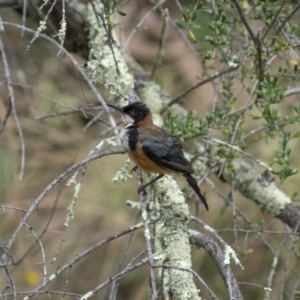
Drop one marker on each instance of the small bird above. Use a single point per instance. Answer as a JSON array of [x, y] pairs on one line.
[[152, 148]]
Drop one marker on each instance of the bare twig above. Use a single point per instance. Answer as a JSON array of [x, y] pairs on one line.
[[147, 234], [41, 27], [198, 84], [63, 29], [292, 91], [274, 20], [118, 276], [114, 287], [10, 280], [138, 26], [46, 292], [42, 250], [78, 67], [85, 253], [163, 36], [41, 234], [7, 114], [51, 186], [13, 105], [246, 24], [286, 19], [212, 294]]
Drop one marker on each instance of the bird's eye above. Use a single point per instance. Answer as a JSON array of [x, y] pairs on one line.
[[131, 114]]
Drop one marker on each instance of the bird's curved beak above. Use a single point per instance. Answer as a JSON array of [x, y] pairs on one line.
[[126, 119], [116, 107]]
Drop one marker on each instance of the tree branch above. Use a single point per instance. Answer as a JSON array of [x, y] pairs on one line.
[[217, 255]]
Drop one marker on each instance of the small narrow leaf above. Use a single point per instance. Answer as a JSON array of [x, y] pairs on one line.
[[295, 135], [249, 251], [192, 37], [121, 13], [180, 23]]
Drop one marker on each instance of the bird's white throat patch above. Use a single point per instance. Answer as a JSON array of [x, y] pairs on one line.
[[124, 135], [127, 120]]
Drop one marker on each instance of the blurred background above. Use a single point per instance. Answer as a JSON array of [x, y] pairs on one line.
[[45, 84]]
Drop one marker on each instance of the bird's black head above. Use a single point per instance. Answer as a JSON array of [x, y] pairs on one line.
[[136, 111]]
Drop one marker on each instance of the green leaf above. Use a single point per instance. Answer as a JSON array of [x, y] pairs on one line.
[[186, 15], [180, 23], [209, 118], [194, 16], [295, 135], [206, 10], [192, 37], [253, 117], [121, 13]]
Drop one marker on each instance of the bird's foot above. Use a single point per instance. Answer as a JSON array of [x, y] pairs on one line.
[[142, 190], [134, 169]]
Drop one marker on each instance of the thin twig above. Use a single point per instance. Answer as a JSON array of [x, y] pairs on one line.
[[63, 29], [287, 258], [12, 207], [24, 14], [13, 105], [138, 26], [11, 283], [198, 84], [235, 148], [147, 234], [46, 292], [118, 276], [114, 287], [162, 39], [108, 29], [274, 20], [78, 67], [292, 91], [51, 186], [85, 253], [43, 252], [212, 294], [7, 114], [41, 27], [286, 19], [243, 19], [42, 233]]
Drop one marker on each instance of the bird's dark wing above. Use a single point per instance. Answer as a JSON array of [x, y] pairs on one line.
[[165, 150]]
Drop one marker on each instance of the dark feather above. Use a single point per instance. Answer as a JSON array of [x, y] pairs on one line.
[[193, 183], [165, 150]]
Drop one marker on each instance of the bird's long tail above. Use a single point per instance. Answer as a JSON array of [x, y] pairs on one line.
[[193, 183]]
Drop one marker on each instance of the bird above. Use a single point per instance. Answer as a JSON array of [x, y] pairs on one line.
[[152, 148]]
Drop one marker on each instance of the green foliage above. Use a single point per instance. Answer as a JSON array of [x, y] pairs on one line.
[[110, 6], [223, 117], [186, 129], [271, 91], [282, 157], [189, 15], [220, 28]]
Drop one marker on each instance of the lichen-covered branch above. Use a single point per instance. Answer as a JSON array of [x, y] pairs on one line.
[[218, 256], [106, 63], [261, 188], [174, 237]]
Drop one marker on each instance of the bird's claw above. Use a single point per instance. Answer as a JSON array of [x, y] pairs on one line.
[[142, 190], [134, 169]]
